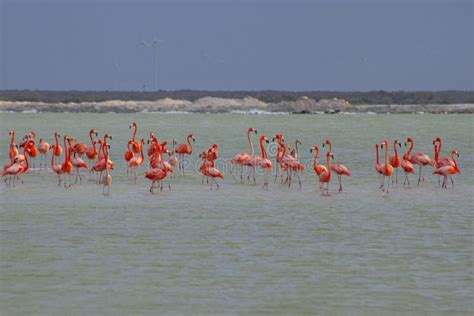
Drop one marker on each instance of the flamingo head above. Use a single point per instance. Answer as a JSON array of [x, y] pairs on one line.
[[298, 141], [190, 136], [315, 148], [93, 131], [330, 154], [279, 137], [132, 125], [250, 130], [409, 140], [384, 143], [214, 146], [32, 134], [436, 140], [396, 142], [12, 132], [107, 136], [264, 138], [327, 142], [455, 153]]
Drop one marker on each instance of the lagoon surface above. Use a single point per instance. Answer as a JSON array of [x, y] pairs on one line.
[[240, 249]]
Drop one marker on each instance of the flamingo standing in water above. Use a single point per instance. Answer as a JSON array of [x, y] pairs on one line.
[[449, 170], [14, 169], [378, 166], [395, 160], [208, 167], [67, 164], [78, 162], [317, 168], [407, 166], [388, 168], [279, 154], [172, 159], [91, 152], [338, 168], [57, 149], [128, 155], [441, 162], [419, 158], [325, 176], [137, 161], [43, 148], [32, 151], [13, 147], [264, 162], [242, 157], [136, 146], [106, 180], [185, 149]]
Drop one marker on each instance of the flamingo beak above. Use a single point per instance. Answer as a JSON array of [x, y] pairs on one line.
[[110, 136], [255, 132], [96, 134], [311, 150], [323, 145], [399, 145], [267, 141], [405, 144]]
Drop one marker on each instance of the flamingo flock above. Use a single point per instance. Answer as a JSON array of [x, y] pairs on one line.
[[285, 165]]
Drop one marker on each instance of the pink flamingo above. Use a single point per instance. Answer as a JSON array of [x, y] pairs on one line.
[[419, 158], [318, 169], [407, 167], [264, 162], [395, 160], [378, 166], [388, 168], [43, 148], [185, 149], [78, 162], [106, 180], [242, 157], [338, 168], [325, 176], [449, 170], [137, 161]]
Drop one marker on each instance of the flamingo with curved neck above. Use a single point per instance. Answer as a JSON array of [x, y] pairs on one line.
[[388, 168], [395, 161]]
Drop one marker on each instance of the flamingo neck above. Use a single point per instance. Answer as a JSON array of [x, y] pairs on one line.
[[412, 144], [141, 151], [66, 152], [386, 154], [190, 145], [296, 150], [262, 147], [26, 159], [90, 136], [100, 148], [13, 138], [395, 150], [377, 154], [251, 144], [330, 145], [453, 157], [135, 130], [329, 165], [316, 156]]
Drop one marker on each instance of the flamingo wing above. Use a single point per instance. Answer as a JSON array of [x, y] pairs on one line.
[[340, 169]]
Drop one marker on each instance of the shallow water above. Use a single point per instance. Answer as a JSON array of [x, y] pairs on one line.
[[241, 249]]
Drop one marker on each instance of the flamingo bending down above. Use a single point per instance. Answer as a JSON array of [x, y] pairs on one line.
[[338, 168], [208, 167], [185, 149], [43, 148], [14, 169], [264, 162], [240, 158], [317, 168], [388, 168], [325, 176], [449, 170], [395, 160], [378, 166], [419, 158]]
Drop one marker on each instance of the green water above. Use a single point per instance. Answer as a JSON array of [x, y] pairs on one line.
[[240, 249]]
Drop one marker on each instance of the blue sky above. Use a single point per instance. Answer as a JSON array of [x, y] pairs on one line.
[[235, 45]]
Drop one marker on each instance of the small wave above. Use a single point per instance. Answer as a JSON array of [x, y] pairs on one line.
[[165, 112], [30, 111], [258, 112]]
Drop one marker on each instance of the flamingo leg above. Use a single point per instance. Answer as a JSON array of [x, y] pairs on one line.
[[340, 182], [254, 181], [419, 176], [299, 179], [452, 181]]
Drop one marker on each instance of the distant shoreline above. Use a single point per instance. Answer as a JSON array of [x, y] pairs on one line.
[[302, 105]]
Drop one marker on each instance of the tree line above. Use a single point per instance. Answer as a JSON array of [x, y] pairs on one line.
[[268, 96]]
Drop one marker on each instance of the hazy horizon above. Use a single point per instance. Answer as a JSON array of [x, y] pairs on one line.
[[237, 45]]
